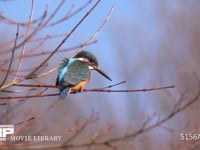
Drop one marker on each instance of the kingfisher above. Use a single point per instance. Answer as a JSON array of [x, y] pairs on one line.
[[75, 73]]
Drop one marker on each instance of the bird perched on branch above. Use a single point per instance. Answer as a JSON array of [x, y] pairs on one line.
[[74, 73]]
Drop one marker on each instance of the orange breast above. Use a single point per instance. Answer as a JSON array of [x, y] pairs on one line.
[[80, 86]]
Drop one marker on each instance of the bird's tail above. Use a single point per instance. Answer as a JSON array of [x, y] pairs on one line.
[[64, 92]]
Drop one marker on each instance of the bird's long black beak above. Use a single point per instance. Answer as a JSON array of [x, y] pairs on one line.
[[101, 72]]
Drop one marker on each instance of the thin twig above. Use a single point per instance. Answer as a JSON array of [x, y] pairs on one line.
[[25, 44], [20, 91], [93, 118], [70, 15], [110, 86], [6, 44], [134, 90], [96, 33], [11, 58], [54, 12], [14, 22], [40, 115]]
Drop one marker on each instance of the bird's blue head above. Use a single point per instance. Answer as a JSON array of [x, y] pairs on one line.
[[92, 60]]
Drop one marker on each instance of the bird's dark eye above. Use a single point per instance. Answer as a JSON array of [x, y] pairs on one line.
[[93, 63]]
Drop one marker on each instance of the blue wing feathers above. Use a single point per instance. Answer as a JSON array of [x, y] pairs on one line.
[[64, 70], [61, 74]]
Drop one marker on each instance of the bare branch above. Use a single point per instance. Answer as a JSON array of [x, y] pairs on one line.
[[11, 58], [70, 15], [136, 90], [85, 90], [25, 44], [96, 33]]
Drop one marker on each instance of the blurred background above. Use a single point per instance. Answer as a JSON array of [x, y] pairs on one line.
[[148, 44]]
